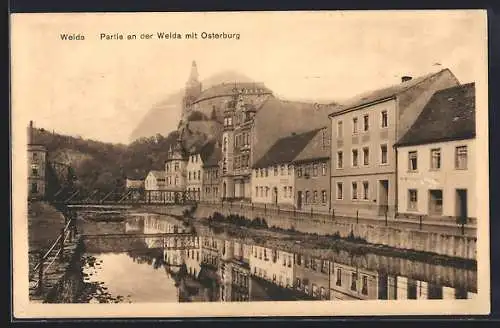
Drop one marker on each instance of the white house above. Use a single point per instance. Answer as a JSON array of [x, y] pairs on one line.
[[273, 265], [436, 158], [154, 184]]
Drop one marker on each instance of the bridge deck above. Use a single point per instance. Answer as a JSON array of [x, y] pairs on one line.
[[139, 235]]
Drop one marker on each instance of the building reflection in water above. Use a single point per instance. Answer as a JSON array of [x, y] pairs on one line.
[[216, 268]]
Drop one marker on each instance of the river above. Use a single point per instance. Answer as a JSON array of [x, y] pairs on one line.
[[134, 260]]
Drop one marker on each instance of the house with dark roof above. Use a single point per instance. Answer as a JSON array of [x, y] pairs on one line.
[[364, 130], [436, 158], [198, 155], [312, 173], [273, 177]]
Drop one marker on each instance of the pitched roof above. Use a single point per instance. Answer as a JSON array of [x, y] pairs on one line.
[[214, 158], [227, 89], [285, 150], [318, 147], [383, 93], [449, 115], [158, 174]]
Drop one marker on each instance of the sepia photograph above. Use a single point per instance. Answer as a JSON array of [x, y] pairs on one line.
[[328, 163]]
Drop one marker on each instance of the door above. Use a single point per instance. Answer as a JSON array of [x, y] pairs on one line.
[[383, 196], [275, 195], [461, 203], [299, 200]]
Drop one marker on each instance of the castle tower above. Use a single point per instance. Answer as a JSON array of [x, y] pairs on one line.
[[192, 92]]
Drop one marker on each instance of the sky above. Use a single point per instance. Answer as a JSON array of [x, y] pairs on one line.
[[101, 89]]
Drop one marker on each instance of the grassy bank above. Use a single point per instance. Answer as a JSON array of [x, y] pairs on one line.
[[44, 225]]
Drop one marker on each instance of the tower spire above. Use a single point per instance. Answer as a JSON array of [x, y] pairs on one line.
[[193, 76]]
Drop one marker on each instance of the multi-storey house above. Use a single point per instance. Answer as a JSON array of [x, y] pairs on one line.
[[364, 130], [312, 173], [37, 163], [175, 172], [436, 158], [251, 126], [273, 265], [352, 282], [274, 174], [211, 175]]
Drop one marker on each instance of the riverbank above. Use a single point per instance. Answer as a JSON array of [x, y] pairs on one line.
[[326, 247]]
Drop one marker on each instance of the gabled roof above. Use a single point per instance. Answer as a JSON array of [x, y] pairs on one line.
[[214, 158], [317, 148], [158, 174], [285, 150], [449, 115], [384, 93]]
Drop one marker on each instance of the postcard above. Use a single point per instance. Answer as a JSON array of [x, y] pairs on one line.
[[215, 164]]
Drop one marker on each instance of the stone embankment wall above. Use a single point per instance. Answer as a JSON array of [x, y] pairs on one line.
[[424, 241]]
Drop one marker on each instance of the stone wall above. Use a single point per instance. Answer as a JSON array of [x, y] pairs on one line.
[[322, 224]]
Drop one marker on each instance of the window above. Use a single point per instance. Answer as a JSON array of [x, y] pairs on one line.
[[307, 197], [366, 156], [339, 190], [339, 129], [267, 191], [275, 170], [256, 191], [384, 119], [366, 124], [315, 197], [34, 187], [340, 159], [34, 170], [284, 192], [436, 202], [354, 282], [267, 172], [354, 190], [383, 154], [199, 175], [282, 170], [364, 285], [355, 125], [338, 282], [299, 171], [323, 196], [412, 161], [365, 190], [315, 169], [256, 173], [461, 158], [176, 180], [189, 175], [176, 166], [289, 169], [290, 192], [307, 170], [261, 191], [323, 168], [435, 159], [412, 199], [354, 157], [35, 156]]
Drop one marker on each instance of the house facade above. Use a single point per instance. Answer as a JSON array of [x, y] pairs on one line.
[[348, 282], [155, 185], [437, 169], [273, 265], [211, 176], [312, 174], [364, 130], [312, 276], [37, 164], [274, 174], [194, 180], [175, 172]]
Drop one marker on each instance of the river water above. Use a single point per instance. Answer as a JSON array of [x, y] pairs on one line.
[[135, 260]]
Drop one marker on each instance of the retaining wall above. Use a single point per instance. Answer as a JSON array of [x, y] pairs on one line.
[[321, 224]]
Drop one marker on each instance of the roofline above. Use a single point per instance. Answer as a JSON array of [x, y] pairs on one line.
[[449, 139], [269, 92], [352, 109], [300, 161], [393, 95]]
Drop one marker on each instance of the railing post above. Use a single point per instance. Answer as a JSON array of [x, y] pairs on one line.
[[420, 222], [311, 211], [40, 273], [252, 207], [386, 217], [463, 227], [265, 208], [61, 245], [357, 217]]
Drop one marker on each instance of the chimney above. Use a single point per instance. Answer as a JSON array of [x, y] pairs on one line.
[[405, 78], [30, 133]]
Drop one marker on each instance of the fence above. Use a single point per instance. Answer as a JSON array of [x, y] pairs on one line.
[[48, 258]]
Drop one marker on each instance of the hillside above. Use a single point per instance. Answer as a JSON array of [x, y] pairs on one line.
[[164, 116]]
